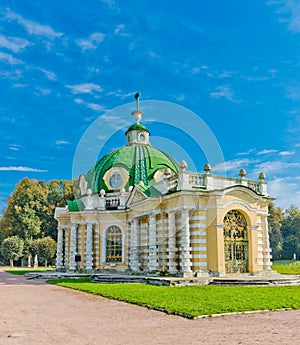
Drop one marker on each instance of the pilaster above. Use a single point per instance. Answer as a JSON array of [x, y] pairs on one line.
[[152, 243], [89, 246], [185, 242], [72, 253], [134, 263], [172, 243], [59, 251]]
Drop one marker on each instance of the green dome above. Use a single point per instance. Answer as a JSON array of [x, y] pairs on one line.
[[137, 126], [138, 162]]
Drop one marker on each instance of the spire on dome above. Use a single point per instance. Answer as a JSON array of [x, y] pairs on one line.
[[137, 113]]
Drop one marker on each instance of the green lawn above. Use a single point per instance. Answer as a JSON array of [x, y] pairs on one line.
[[286, 263], [287, 269], [193, 301], [23, 271]]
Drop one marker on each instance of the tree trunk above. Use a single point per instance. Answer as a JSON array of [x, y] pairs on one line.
[[11, 262], [29, 261], [36, 263], [46, 262]]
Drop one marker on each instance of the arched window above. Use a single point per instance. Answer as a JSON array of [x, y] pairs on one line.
[[235, 242], [113, 244]]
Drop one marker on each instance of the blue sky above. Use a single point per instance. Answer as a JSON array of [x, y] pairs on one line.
[[235, 64]]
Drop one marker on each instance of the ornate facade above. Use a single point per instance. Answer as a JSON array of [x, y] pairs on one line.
[[141, 211]]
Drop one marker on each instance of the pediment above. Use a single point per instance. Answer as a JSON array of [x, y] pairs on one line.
[[136, 196]]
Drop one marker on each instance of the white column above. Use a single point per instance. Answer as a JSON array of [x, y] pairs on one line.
[[152, 243], [89, 246], [172, 243], [185, 242], [266, 244], [59, 251], [134, 261], [72, 253]]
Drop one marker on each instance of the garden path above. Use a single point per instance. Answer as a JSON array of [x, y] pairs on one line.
[[33, 312]]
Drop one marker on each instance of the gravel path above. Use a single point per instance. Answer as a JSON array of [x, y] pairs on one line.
[[33, 312]]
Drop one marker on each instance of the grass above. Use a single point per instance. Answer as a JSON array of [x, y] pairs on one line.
[[287, 269], [286, 263], [286, 266], [193, 301], [23, 271]]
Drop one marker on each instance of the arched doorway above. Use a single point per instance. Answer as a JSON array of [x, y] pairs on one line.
[[235, 242]]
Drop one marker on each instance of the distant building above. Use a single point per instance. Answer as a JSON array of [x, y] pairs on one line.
[[140, 210]]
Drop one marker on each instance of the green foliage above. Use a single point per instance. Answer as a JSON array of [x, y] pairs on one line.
[[290, 231], [33, 247], [30, 210], [275, 219], [193, 301], [46, 248], [12, 248]]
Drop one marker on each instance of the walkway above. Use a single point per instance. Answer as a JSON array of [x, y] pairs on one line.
[[33, 312]]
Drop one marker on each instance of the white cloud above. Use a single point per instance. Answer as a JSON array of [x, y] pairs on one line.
[[293, 92], [17, 85], [49, 75], [91, 42], [288, 12], [266, 152], [13, 43], [20, 168], [120, 94], [110, 3], [93, 106], [85, 88], [14, 147], [286, 153], [278, 166], [223, 92], [96, 107], [153, 55], [119, 30], [115, 122], [246, 152], [62, 142], [9, 59], [234, 164], [286, 190], [32, 28]]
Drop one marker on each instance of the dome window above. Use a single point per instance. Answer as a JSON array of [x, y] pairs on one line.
[[116, 180]]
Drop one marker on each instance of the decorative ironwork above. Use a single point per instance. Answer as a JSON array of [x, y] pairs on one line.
[[235, 242], [113, 244]]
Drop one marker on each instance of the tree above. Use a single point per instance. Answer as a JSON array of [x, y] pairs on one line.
[[12, 248], [46, 248], [275, 219], [290, 231], [25, 206], [30, 210]]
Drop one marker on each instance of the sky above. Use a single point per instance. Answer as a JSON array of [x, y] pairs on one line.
[[65, 66]]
